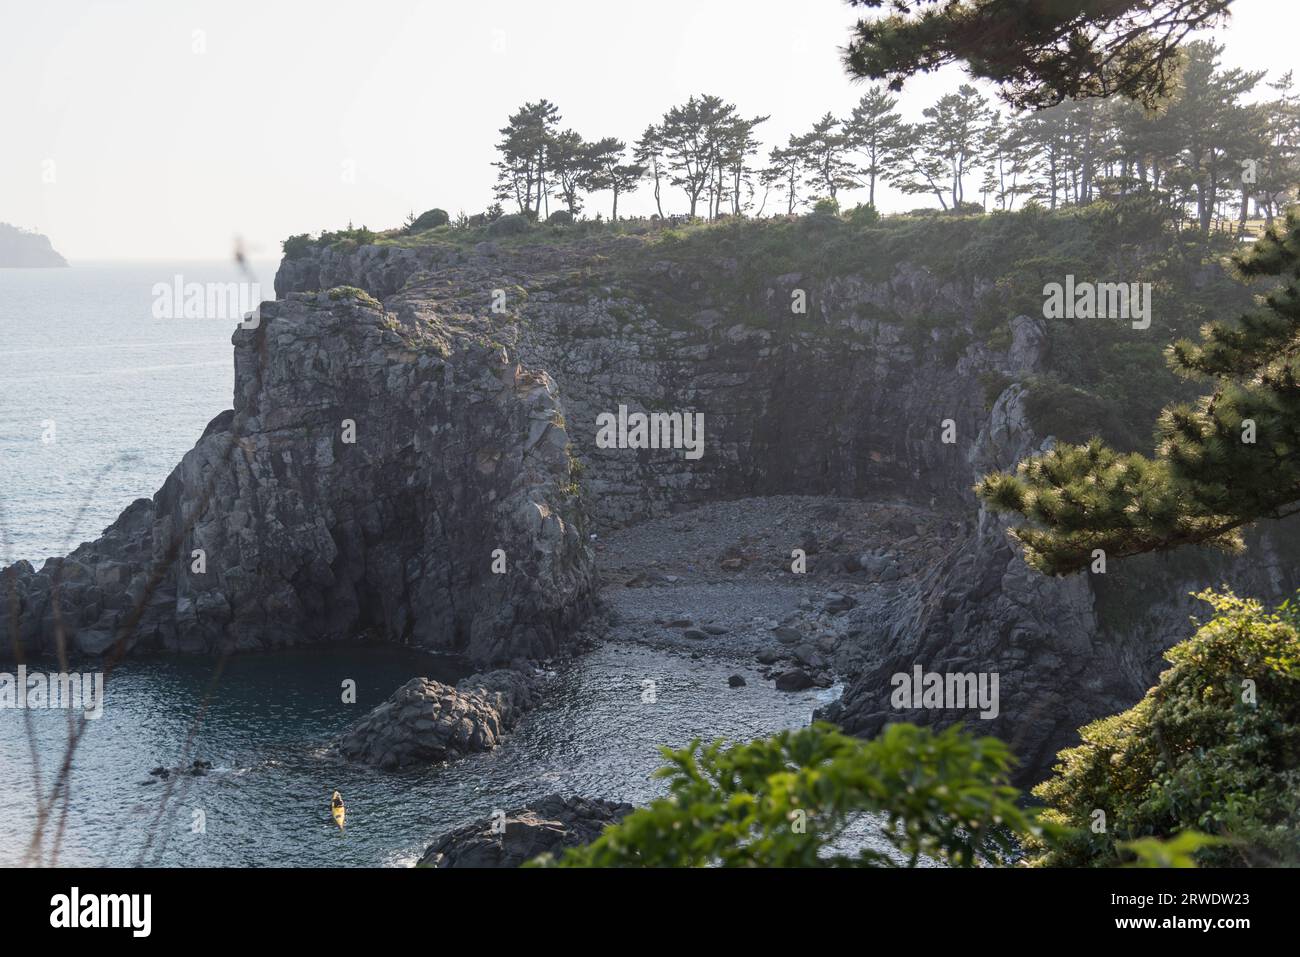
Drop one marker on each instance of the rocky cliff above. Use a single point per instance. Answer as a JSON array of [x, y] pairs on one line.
[[20, 248], [363, 483]]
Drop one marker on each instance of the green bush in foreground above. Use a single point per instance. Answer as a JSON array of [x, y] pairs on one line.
[[1214, 747], [783, 801]]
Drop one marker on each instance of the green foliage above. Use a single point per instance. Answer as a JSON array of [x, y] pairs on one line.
[[297, 247], [1178, 851], [1228, 460], [826, 206], [339, 293], [785, 801], [1039, 55], [1213, 748], [561, 217], [512, 224], [863, 214], [993, 384], [347, 239], [1073, 414], [430, 219]]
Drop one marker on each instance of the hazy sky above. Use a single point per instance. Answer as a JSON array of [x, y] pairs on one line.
[[162, 130]]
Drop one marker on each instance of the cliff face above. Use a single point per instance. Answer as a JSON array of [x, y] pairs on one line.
[[19, 248], [360, 485], [848, 399]]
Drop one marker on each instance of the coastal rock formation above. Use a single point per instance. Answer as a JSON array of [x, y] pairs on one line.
[[20, 248], [426, 721], [849, 400], [547, 825], [406, 482]]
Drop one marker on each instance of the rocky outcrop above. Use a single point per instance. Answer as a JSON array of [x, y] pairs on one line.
[[547, 825], [403, 481], [426, 721], [382, 271], [20, 248]]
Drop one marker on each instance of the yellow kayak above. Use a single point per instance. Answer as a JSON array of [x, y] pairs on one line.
[[338, 810]]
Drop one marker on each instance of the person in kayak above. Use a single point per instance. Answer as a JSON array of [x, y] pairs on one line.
[[337, 808]]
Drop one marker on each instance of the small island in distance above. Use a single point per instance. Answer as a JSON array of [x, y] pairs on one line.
[[19, 247]]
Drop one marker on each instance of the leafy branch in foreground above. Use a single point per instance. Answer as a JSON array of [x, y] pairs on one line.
[[786, 800], [1039, 53], [1178, 851], [1228, 461]]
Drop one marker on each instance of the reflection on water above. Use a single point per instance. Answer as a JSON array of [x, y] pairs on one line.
[[266, 801]]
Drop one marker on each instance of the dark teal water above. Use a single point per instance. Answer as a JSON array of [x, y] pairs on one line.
[[266, 801]]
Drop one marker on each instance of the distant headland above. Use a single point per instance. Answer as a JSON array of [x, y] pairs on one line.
[[18, 247]]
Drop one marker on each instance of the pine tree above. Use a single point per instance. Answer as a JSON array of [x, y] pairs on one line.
[[1038, 53], [783, 171], [691, 136], [824, 150], [873, 131], [524, 164], [607, 171], [568, 160], [649, 153], [1219, 466]]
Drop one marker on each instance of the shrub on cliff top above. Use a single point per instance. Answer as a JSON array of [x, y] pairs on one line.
[[1214, 747], [430, 219], [784, 801], [511, 224], [352, 292], [864, 214], [296, 247], [826, 206]]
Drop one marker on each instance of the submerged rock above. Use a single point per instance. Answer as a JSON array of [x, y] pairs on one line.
[[547, 825]]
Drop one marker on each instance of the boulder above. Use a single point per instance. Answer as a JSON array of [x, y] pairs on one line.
[[837, 603], [425, 721], [547, 825], [787, 635], [794, 680]]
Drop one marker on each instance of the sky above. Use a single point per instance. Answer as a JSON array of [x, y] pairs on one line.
[[167, 130]]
